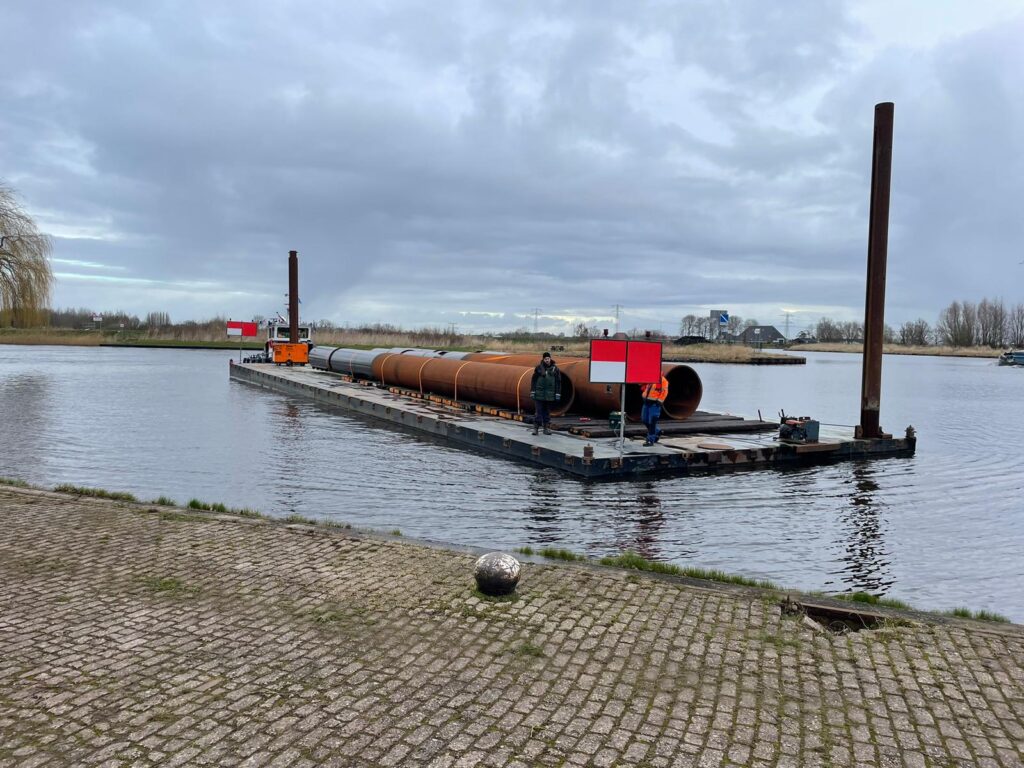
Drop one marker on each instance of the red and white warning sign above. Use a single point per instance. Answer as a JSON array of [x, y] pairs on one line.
[[624, 362], [236, 328]]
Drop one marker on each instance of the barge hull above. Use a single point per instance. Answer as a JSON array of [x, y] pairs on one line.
[[512, 439]]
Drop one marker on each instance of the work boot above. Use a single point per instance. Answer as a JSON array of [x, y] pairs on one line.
[[547, 430], [536, 428]]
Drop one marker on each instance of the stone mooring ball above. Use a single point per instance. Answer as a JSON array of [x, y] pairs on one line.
[[496, 573]]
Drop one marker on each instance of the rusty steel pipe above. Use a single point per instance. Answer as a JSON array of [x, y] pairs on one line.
[[293, 297], [597, 399], [684, 390], [684, 386], [506, 386], [878, 246]]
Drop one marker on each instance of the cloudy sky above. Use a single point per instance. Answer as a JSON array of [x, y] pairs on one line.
[[472, 162]]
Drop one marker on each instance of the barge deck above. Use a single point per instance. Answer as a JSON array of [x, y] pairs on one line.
[[704, 443]]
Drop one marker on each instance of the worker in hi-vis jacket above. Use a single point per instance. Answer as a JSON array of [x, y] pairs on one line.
[[654, 398]]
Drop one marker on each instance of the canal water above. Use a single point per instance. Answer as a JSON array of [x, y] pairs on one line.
[[942, 529]]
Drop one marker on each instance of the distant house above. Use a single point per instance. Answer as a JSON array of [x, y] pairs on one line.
[[760, 334]]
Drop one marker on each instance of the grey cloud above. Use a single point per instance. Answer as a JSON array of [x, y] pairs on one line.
[[493, 158]]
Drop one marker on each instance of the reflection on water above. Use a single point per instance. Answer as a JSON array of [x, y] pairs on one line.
[[861, 543], [943, 528], [650, 521]]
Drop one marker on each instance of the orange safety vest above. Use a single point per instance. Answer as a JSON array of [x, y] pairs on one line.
[[657, 391]]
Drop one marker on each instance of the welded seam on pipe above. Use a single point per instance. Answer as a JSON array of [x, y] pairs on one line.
[[419, 373], [383, 363], [457, 379], [519, 407]]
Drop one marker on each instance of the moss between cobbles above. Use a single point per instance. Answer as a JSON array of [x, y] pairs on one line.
[[169, 585], [512, 598], [183, 518], [528, 649], [98, 493]]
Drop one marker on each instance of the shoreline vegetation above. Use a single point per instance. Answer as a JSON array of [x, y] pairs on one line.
[[697, 353], [899, 349], [625, 560]]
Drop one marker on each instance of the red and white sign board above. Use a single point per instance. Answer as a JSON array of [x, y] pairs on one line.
[[236, 328], [624, 362], [607, 362]]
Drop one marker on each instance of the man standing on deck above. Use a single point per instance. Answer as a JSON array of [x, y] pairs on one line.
[[545, 389], [654, 398]]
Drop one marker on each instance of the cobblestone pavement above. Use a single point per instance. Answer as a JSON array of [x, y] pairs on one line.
[[130, 637]]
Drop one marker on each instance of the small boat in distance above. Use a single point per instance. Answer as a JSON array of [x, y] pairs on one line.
[[1012, 357]]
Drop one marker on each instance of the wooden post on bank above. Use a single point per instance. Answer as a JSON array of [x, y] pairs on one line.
[[878, 245]]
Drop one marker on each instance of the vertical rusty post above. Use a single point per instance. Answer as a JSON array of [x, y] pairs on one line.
[[293, 297], [878, 244]]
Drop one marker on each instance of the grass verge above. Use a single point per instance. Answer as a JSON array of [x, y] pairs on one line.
[[633, 561], [552, 553], [98, 493], [967, 613], [13, 481], [869, 599]]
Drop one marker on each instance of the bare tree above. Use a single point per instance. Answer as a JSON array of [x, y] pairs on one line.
[[914, 334], [687, 326], [155, 320], [735, 324], [1015, 326], [828, 330], [991, 322], [26, 281]]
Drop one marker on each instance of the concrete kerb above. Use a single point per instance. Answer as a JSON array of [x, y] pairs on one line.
[[809, 602]]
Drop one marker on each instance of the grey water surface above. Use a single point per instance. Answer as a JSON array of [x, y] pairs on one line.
[[941, 529]]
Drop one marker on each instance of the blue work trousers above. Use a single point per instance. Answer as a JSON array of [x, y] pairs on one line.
[[649, 416], [542, 412]]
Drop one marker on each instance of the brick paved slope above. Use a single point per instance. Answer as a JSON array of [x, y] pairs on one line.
[[136, 638]]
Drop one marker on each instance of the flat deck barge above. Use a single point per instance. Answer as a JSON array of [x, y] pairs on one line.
[[703, 443]]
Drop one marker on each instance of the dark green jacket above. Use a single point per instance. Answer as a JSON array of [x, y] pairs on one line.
[[546, 383]]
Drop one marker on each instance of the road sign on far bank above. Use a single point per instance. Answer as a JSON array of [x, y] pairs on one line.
[[720, 316]]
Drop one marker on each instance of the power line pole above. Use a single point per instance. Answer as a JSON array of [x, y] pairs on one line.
[[618, 308], [536, 312], [787, 315]]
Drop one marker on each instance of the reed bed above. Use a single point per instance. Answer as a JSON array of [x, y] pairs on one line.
[[898, 349]]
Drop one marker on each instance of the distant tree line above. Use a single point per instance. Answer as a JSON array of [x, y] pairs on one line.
[[988, 323], [697, 325]]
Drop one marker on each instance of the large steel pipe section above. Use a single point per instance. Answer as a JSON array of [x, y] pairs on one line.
[[684, 390], [354, 362], [507, 386], [359, 362], [415, 352], [599, 399], [684, 386]]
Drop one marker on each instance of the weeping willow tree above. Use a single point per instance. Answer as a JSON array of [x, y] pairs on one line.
[[25, 277]]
